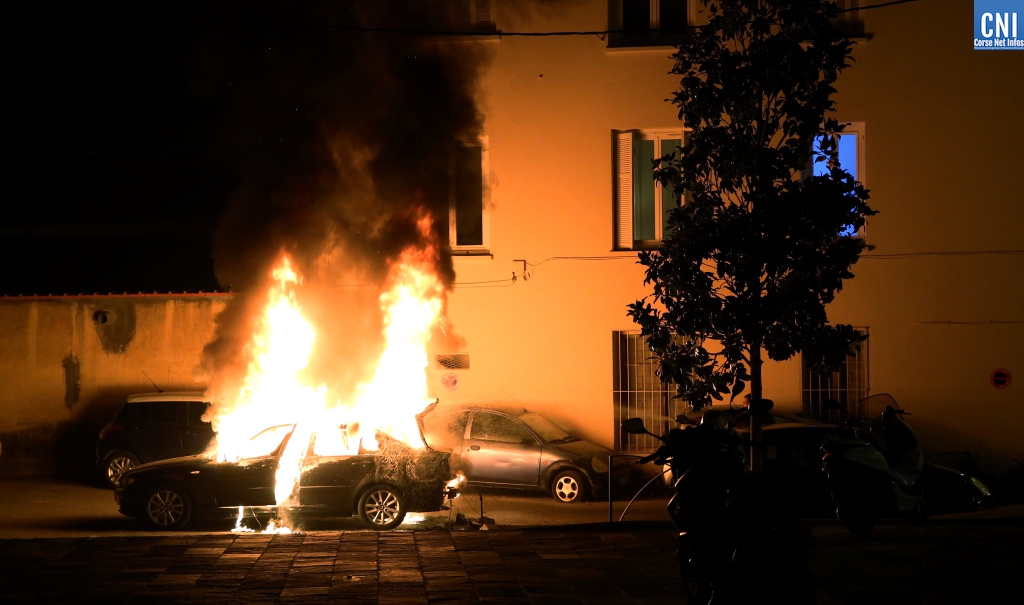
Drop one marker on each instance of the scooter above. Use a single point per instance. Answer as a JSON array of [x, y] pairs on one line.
[[874, 467], [735, 538]]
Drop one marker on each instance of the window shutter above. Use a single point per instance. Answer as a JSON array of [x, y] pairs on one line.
[[624, 191], [482, 12]]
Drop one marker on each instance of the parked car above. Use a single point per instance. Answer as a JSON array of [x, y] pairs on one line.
[[792, 453], [515, 448], [380, 486], [152, 426]]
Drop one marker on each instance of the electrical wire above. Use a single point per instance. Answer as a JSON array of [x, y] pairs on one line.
[[903, 255], [991, 322]]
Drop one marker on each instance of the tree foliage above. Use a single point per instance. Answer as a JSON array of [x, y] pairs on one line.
[[758, 248]]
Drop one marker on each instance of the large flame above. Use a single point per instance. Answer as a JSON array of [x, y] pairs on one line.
[[273, 391]]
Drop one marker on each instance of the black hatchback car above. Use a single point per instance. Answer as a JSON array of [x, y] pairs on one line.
[[380, 487], [152, 426]]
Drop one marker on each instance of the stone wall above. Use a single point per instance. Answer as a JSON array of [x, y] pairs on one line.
[[68, 362]]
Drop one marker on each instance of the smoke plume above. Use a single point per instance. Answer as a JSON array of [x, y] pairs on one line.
[[338, 125]]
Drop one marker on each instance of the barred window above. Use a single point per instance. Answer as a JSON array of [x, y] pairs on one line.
[[638, 392], [848, 385]]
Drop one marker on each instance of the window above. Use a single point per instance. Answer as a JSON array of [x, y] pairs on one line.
[[648, 22], [638, 392], [850, 144], [848, 385], [850, 21], [472, 14], [492, 427], [642, 205], [468, 229]]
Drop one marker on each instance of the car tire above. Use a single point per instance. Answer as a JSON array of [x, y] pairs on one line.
[[115, 465], [166, 506], [568, 487], [382, 507]]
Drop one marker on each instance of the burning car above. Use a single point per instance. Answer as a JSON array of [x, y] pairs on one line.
[[379, 486]]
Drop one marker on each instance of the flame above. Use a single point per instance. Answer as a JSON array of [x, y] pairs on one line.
[[274, 392], [412, 307]]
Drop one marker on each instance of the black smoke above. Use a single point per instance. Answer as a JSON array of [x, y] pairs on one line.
[[339, 122]]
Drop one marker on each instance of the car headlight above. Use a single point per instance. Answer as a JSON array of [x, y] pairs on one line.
[[599, 464]]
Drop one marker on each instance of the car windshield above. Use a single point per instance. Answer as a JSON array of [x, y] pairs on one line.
[[547, 430], [265, 443]]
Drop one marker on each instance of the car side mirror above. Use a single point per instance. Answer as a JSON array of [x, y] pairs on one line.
[[634, 426], [683, 419]]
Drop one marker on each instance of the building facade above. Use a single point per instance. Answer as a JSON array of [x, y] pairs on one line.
[[545, 235]]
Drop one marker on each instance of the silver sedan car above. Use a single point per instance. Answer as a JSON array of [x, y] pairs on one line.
[[511, 447]]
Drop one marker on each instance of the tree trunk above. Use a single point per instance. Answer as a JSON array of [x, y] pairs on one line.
[[756, 452]]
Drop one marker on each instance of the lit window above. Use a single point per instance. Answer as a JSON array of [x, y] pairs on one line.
[[642, 205], [467, 215], [850, 144]]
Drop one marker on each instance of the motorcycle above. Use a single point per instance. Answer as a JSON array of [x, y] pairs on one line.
[[736, 536], [874, 467]]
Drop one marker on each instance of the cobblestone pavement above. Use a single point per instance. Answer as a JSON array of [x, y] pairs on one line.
[[972, 559], [352, 567]]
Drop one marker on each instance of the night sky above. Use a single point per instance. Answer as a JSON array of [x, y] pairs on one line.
[[111, 180], [181, 146]]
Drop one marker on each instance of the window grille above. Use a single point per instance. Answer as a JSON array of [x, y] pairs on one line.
[[638, 392], [848, 385], [459, 361]]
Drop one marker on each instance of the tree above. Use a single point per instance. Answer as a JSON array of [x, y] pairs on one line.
[[759, 246]]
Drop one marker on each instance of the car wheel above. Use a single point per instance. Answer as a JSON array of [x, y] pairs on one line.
[[382, 507], [166, 506], [115, 465], [568, 487]]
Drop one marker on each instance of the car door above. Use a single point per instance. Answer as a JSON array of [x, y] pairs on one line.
[[251, 480], [330, 475], [498, 449]]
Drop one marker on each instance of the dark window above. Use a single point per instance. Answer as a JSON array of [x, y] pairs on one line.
[[638, 392], [492, 427], [647, 22], [469, 221], [672, 14], [196, 409], [636, 17], [167, 412]]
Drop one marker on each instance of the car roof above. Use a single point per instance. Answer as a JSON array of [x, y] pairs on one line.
[[169, 396], [511, 410]]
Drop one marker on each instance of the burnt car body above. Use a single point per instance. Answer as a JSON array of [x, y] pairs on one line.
[[515, 448], [379, 486]]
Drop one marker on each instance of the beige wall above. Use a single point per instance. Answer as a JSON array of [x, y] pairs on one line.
[[943, 164], [68, 363]]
